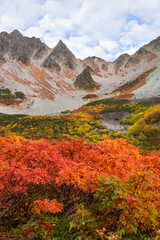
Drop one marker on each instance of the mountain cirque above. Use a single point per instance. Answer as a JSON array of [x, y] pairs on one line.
[[47, 78]]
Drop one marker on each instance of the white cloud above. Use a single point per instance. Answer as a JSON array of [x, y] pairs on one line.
[[103, 28], [130, 51], [19, 14], [108, 45], [34, 31]]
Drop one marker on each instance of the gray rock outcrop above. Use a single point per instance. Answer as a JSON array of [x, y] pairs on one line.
[[85, 81]]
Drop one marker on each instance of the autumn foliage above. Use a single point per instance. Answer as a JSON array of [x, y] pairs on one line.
[[52, 176], [145, 129], [78, 176]]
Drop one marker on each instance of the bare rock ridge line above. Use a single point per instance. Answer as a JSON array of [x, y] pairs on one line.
[[18, 46], [53, 80]]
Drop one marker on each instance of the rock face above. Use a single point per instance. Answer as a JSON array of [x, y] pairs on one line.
[[132, 61], [60, 55], [121, 60], [84, 81], [154, 45], [144, 54], [40, 52], [96, 64], [18, 46], [51, 63]]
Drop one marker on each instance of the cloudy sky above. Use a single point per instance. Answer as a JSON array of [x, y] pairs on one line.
[[103, 28]]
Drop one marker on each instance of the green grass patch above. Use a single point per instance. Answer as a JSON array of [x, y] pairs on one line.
[[108, 101], [6, 94]]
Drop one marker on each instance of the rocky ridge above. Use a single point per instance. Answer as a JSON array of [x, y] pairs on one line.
[[60, 54], [19, 47]]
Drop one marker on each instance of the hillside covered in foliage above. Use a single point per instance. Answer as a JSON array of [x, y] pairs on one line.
[[69, 177]]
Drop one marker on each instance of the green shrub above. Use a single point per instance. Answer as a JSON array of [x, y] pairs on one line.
[[23, 58], [19, 95]]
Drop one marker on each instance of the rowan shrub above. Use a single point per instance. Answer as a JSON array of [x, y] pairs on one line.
[[54, 177]]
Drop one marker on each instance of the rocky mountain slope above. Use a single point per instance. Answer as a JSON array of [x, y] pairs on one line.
[[35, 79], [84, 81]]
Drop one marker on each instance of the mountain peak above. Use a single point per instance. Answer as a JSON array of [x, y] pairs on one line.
[[61, 46], [60, 42], [60, 54], [16, 33], [18, 46]]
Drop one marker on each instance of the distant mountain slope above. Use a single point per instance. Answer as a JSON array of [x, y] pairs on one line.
[[47, 77]]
